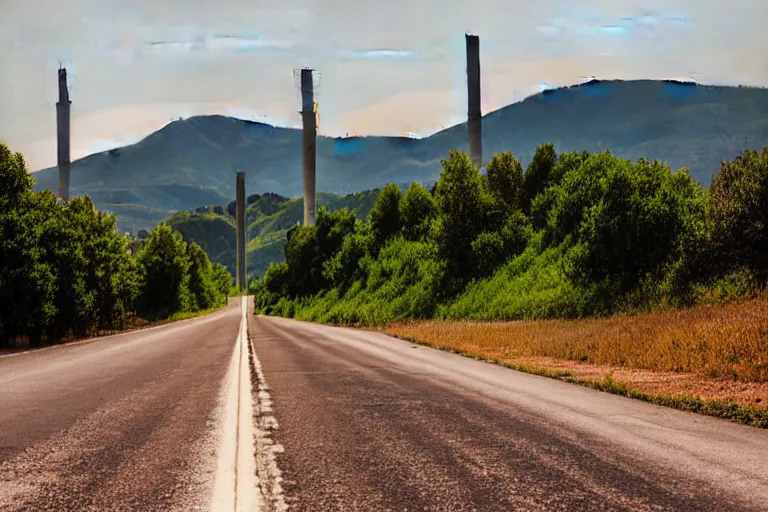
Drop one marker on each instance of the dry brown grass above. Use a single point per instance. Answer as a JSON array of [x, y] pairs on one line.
[[725, 341], [712, 359]]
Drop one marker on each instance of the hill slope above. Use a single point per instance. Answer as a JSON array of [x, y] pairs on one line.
[[192, 162], [269, 217]]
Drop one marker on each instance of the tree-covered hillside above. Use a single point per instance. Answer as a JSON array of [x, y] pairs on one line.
[[268, 216], [575, 234], [66, 272], [193, 162]]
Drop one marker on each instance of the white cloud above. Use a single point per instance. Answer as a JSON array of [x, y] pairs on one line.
[[613, 30], [244, 44], [382, 54], [220, 43], [175, 45]]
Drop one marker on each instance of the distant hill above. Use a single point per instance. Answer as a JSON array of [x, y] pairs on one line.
[[268, 219], [192, 162]]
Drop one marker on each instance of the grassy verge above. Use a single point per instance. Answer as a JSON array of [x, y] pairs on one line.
[[711, 360]]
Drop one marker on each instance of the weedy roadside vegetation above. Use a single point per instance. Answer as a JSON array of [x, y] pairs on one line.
[[576, 235], [716, 340], [581, 257], [67, 273]]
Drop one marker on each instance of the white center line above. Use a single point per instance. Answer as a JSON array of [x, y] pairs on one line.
[[236, 487]]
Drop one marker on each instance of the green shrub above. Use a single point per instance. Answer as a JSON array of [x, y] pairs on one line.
[[604, 235], [68, 272], [738, 216], [385, 215], [538, 175], [462, 205], [417, 210], [505, 180], [164, 267]]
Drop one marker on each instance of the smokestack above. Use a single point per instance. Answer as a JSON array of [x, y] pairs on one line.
[[62, 135], [474, 115], [309, 144], [240, 218]]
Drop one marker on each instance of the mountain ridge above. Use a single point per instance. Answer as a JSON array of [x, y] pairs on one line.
[[192, 162]]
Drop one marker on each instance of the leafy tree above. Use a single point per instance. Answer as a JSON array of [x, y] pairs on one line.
[[204, 293], [461, 201], [491, 249], [272, 286], [538, 175], [301, 254], [69, 273], [385, 215], [25, 281], [632, 223], [108, 272], [567, 161], [516, 234], [332, 228], [27, 278], [580, 188], [738, 216], [75, 276], [222, 279], [488, 252], [15, 181], [164, 268], [505, 180], [543, 201], [308, 247], [344, 267], [417, 210]]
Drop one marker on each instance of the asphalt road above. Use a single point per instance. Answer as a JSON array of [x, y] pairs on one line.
[[128, 422], [196, 416], [367, 422]]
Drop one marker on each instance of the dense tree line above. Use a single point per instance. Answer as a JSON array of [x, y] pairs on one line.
[[573, 234], [66, 272]]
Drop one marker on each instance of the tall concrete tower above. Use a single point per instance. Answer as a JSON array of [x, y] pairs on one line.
[[474, 115], [309, 144], [240, 219], [62, 134]]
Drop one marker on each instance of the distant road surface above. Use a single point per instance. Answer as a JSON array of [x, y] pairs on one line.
[[184, 417]]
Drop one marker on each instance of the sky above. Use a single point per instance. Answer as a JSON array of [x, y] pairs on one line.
[[394, 67]]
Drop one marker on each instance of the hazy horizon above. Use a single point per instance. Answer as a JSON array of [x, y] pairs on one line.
[[297, 125], [386, 69]]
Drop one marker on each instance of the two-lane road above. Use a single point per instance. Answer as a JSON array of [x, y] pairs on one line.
[[373, 423], [342, 419]]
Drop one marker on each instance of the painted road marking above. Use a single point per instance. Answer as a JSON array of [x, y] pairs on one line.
[[236, 487], [270, 476]]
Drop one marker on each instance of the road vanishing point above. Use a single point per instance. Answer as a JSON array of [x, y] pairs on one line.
[[232, 411]]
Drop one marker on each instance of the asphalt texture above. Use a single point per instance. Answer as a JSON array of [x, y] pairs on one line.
[[370, 423], [345, 419], [127, 422]]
